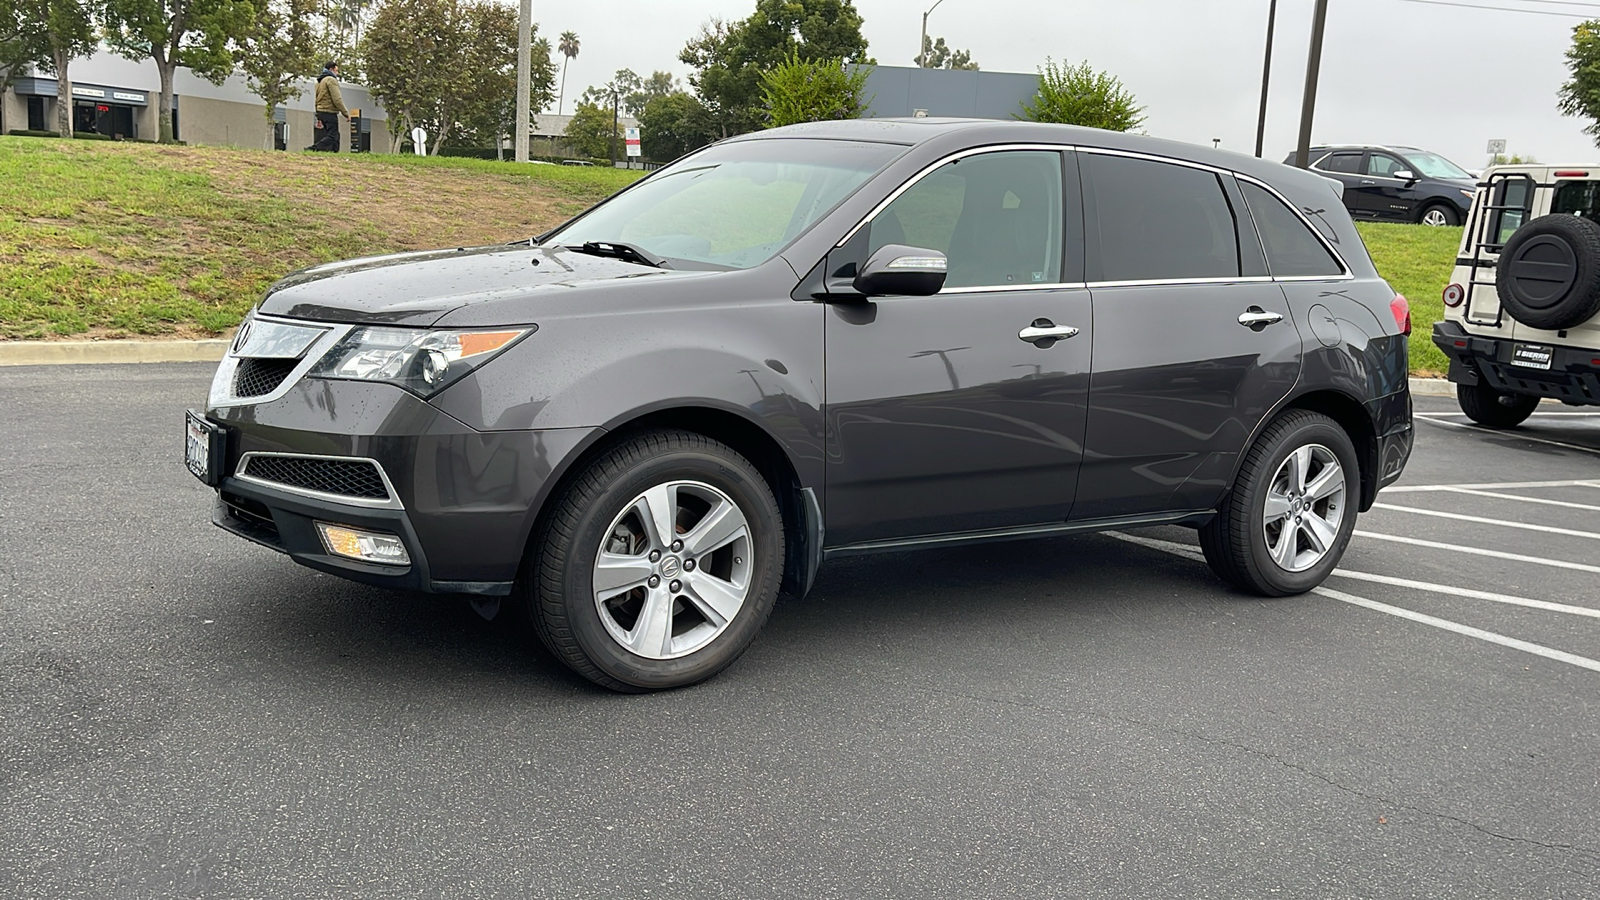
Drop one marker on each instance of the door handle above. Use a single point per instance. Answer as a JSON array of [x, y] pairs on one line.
[[1043, 332], [1257, 318]]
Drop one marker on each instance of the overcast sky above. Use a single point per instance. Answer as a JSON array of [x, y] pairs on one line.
[[1393, 71]]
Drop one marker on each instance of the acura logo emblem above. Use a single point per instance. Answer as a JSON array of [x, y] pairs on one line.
[[242, 336], [670, 566]]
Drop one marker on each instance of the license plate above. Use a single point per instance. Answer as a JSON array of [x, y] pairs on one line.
[[1531, 356], [200, 446]]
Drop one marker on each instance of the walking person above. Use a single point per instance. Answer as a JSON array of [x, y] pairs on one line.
[[330, 105]]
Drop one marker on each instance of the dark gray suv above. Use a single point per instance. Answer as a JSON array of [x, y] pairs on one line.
[[815, 342]]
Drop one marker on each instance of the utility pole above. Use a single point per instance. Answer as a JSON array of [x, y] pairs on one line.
[[616, 102], [1266, 77], [524, 76], [922, 45], [1302, 150]]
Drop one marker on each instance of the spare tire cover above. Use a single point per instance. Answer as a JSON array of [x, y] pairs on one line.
[[1548, 275]]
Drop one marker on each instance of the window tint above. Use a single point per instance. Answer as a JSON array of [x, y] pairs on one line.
[[1384, 165], [1291, 247], [1510, 192], [1577, 198], [1349, 163], [996, 216], [1156, 220]]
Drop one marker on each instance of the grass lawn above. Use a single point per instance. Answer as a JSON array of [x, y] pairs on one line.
[[109, 240], [1416, 260]]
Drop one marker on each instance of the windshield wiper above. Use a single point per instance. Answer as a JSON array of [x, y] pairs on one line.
[[626, 252]]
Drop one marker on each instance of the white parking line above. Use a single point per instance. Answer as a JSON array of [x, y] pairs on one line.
[[1499, 496], [1476, 551], [1461, 517], [1489, 486], [1518, 435], [1581, 662]]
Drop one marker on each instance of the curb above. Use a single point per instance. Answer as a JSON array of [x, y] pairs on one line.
[[56, 353], [1432, 387]]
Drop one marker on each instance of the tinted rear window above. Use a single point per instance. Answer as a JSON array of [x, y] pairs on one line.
[[1160, 221], [1292, 250]]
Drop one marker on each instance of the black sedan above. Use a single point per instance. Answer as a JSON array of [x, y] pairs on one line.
[[1397, 184]]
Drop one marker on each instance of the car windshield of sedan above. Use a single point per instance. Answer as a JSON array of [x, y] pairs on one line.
[[734, 205], [1432, 165]]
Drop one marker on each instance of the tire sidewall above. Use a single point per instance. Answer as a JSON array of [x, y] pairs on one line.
[[745, 487], [1328, 434], [1451, 217]]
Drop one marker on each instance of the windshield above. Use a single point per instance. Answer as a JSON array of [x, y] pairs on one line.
[[1432, 165], [734, 205]]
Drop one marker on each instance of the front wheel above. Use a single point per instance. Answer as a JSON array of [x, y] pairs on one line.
[[1286, 521], [1487, 406], [658, 565], [1439, 215]]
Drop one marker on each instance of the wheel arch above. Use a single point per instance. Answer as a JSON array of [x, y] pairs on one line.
[[1356, 421]]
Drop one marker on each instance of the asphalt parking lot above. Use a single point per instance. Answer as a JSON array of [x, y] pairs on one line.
[[183, 714]]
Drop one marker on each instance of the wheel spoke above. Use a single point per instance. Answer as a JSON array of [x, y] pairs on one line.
[[652, 633], [1327, 483], [719, 600], [1277, 507], [658, 508], [1283, 552], [1298, 463], [615, 574], [1320, 532], [720, 526]]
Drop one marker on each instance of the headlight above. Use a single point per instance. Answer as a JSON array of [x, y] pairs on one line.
[[420, 360]]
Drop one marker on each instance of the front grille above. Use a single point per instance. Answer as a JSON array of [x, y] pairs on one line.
[[344, 477], [261, 376]]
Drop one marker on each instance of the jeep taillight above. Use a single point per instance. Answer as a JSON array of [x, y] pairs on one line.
[[1402, 313], [1453, 295]]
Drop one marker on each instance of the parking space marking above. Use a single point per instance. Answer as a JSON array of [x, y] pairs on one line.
[[1518, 435], [1482, 520], [1582, 662], [1543, 500], [1489, 486], [1478, 551]]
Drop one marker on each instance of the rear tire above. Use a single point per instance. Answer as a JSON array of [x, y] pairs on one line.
[[1487, 406], [1286, 521], [658, 564]]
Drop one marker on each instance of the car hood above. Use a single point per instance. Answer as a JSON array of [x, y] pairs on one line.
[[418, 289]]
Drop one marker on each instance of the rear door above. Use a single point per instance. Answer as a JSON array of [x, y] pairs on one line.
[[1345, 167], [941, 417], [1194, 344], [1380, 194]]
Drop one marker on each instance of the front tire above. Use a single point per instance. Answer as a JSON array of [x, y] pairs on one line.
[[1286, 521], [1487, 406], [658, 565], [1439, 215]]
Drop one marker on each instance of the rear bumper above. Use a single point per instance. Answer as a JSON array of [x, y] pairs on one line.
[[1573, 376]]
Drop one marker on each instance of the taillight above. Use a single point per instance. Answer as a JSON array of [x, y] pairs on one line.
[[1402, 313], [1453, 295]]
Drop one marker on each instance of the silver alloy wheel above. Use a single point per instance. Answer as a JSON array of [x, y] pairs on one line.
[[673, 570], [1435, 217], [1304, 508]]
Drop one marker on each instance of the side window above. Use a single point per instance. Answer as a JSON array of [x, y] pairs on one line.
[[1348, 163], [1383, 165], [1291, 247], [996, 216], [1157, 220], [1509, 192], [1577, 198]]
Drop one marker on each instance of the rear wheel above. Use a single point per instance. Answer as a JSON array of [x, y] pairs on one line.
[[658, 565], [1487, 406], [1286, 521]]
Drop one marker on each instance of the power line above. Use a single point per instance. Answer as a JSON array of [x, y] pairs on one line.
[[1531, 12]]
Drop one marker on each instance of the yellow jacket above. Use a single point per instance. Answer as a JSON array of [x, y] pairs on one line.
[[328, 97]]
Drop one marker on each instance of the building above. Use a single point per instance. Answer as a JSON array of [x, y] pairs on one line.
[[118, 97], [907, 91]]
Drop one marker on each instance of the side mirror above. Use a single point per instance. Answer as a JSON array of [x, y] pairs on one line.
[[1405, 175], [899, 269]]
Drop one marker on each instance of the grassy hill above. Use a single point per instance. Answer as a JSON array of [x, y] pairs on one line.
[[106, 240]]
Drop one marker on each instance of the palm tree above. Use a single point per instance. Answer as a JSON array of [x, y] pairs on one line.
[[569, 49]]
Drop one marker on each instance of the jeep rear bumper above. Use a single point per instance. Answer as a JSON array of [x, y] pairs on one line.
[[1573, 376]]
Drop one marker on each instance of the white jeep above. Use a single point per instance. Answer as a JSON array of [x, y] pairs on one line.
[[1522, 310]]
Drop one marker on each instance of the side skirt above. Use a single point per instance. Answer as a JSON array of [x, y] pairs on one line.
[[1194, 517]]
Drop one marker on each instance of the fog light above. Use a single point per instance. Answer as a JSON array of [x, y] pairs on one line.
[[367, 546]]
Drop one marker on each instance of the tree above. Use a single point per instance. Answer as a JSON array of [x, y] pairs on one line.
[[407, 57], [800, 91], [195, 34], [633, 92], [1580, 97], [591, 132], [728, 59], [277, 52], [935, 55], [674, 124], [1078, 95], [569, 49], [1515, 159], [47, 34]]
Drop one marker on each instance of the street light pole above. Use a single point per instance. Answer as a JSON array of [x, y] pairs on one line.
[[1266, 77], [1302, 150], [616, 102], [524, 76], [922, 45]]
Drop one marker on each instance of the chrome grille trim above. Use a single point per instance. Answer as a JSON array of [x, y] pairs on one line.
[[392, 501]]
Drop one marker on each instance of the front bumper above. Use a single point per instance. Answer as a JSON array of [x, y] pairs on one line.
[[463, 501], [1573, 376]]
